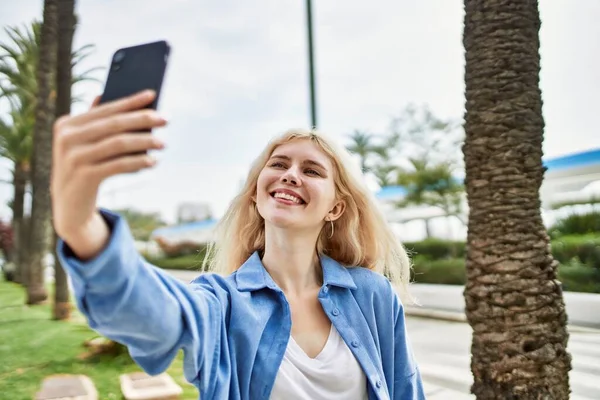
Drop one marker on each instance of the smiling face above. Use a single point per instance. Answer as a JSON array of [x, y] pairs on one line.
[[296, 188]]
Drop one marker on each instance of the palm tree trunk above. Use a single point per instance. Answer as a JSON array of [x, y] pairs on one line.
[[513, 301], [24, 230], [62, 306], [427, 223], [363, 163], [19, 183], [42, 156], [66, 29]]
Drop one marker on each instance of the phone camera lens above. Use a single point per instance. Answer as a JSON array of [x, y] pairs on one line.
[[119, 56]]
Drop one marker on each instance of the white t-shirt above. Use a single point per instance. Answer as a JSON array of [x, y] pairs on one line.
[[334, 374]]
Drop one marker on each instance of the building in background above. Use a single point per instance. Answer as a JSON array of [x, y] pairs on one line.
[[193, 212]]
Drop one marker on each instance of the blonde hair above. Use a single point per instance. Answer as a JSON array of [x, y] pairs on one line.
[[362, 235]]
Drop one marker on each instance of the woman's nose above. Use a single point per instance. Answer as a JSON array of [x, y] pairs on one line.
[[290, 177]]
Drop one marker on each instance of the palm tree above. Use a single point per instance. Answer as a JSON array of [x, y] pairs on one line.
[[40, 227], [18, 85], [384, 173], [15, 144], [431, 184], [362, 145], [17, 67], [6, 239], [513, 301], [66, 29], [141, 224]]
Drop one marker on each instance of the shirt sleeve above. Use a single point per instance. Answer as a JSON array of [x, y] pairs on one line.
[[407, 377], [128, 300]]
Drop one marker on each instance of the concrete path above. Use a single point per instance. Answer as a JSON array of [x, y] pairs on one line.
[[583, 309], [445, 363]]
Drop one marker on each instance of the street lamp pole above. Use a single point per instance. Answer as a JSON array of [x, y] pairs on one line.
[[311, 69]]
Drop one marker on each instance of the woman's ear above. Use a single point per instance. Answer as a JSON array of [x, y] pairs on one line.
[[337, 210]]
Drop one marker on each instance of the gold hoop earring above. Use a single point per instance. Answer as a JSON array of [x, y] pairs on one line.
[[330, 236]]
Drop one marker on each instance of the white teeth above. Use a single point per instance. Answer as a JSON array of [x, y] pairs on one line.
[[279, 195]]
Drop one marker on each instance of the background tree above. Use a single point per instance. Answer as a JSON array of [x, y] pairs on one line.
[[18, 85], [15, 145], [66, 30], [513, 301], [18, 65], [6, 246], [433, 186], [430, 149], [19, 58], [421, 153], [375, 154], [362, 144], [420, 134], [40, 229], [142, 224]]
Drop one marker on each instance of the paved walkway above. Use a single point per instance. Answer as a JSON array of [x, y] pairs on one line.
[[445, 364], [583, 309]]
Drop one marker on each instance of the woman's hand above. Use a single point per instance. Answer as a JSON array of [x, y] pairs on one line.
[[89, 148]]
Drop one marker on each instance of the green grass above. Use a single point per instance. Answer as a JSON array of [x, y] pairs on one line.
[[33, 346]]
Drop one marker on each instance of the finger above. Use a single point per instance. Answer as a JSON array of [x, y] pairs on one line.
[[133, 102], [117, 146], [141, 120], [121, 165]]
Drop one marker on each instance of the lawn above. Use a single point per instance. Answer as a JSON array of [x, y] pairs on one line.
[[33, 346]]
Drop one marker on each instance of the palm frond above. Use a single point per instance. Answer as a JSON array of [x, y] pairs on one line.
[[83, 52], [87, 75], [19, 59]]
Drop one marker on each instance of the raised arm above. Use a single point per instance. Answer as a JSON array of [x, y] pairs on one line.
[[122, 296]]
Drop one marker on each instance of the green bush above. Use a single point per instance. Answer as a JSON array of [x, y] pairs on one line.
[[580, 248], [180, 249], [436, 249], [576, 277], [191, 262], [576, 224], [449, 271]]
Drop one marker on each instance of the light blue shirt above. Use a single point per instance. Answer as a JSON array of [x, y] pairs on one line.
[[234, 330]]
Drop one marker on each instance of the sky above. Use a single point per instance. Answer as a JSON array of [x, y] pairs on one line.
[[238, 75]]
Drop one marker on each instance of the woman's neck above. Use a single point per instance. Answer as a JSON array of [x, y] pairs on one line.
[[292, 261]]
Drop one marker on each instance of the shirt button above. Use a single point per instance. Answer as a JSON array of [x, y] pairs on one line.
[[378, 384], [325, 289], [335, 312], [355, 343]]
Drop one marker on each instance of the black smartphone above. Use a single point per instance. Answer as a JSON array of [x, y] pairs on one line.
[[136, 68]]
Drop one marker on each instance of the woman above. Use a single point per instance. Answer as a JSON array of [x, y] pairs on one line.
[[300, 310]]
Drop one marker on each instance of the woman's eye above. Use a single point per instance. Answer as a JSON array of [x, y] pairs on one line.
[[312, 172], [277, 164]]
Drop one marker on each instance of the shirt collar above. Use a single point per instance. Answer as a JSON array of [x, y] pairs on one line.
[[252, 275]]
